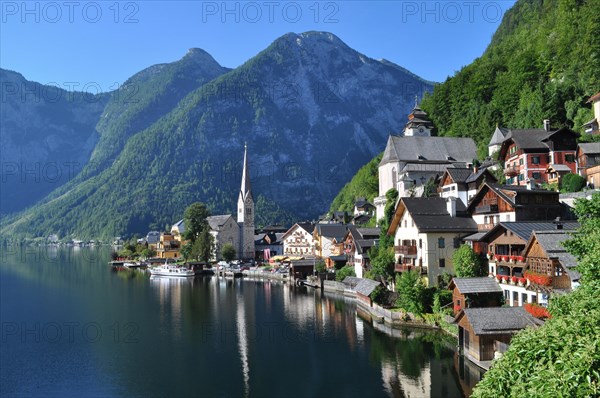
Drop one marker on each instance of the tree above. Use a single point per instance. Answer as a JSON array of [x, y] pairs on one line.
[[411, 291], [195, 219], [572, 183], [345, 271], [186, 251], [560, 358], [320, 266], [466, 262], [228, 252], [382, 263], [204, 246]]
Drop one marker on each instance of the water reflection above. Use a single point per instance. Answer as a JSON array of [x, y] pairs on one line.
[[209, 336]]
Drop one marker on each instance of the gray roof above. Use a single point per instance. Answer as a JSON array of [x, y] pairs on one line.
[[366, 233], [498, 136], [477, 285], [560, 167], [529, 138], [351, 281], [499, 320], [431, 215], [459, 175], [337, 231], [366, 286], [523, 229], [483, 170], [590, 148], [363, 245], [216, 222], [436, 149], [476, 237], [303, 263]]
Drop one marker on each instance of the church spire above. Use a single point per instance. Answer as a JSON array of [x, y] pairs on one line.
[[245, 189]]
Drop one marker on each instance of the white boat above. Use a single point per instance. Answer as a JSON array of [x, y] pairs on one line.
[[171, 270]]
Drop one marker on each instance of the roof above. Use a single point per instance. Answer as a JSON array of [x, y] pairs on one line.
[[560, 167], [337, 231], [363, 245], [351, 281], [459, 175], [307, 226], [594, 98], [366, 286], [531, 139], [216, 222], [590, 148], [498, 136], [366, 233], [303, 263], [483, 170], [507, 193], [523, 229], [362, 202], [339, 258], [180, 225], [437, 149], [499, 320], [476, 237], [431, 215], [476, 285]]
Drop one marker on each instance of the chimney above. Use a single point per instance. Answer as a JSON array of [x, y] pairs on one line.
[[451, 206], [529, 184], [559, 225], [547, 124]]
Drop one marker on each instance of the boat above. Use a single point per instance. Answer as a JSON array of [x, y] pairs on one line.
[[171, 270]]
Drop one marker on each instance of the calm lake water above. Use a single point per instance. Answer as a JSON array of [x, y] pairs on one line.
[[71, 326]]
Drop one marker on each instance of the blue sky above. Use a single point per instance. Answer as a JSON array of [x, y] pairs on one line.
[[104, 43]]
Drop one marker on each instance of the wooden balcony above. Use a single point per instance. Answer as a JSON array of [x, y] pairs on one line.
[[511, 171], [406, 250], [486, 209], [408, 267]]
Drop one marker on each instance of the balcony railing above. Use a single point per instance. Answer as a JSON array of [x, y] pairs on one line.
[[408, 267], [485, 209], [406, 250], [511, 171]]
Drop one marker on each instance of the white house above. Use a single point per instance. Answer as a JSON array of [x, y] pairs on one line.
[[426, 233], [463, 183], [299, 241]]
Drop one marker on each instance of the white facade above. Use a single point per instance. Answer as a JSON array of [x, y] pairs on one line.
[[488, 221], [453, 191], [516, 295], [298, 242], [429, 254]]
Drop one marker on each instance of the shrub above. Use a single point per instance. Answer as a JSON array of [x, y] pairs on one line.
[[344, 272], [572, 183]]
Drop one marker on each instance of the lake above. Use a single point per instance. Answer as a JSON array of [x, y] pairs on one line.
[[73, 326]]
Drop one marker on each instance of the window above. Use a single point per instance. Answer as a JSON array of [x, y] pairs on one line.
[[521, 177], [569, 158], [456, 243], [405, 223], [535, 159], [536, 176], [420, 243], [523, 298], [441, 243], [413, 222], [521, 162], [442, 262]]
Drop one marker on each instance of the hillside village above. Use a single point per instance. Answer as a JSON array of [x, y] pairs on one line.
[[434, 198]]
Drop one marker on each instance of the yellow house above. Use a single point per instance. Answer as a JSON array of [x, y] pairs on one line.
[[168, 246]]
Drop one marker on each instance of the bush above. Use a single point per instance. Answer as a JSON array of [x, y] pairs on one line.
[[411, 291], [320, 267], [572, 183], [344, 272], [466, 262]]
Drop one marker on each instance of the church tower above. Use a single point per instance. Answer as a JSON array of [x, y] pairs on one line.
[[418, 124], [245, 215]]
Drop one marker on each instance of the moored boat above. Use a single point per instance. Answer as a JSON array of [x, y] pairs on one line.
[[171, 270]]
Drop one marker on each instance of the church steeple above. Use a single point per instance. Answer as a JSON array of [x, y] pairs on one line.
[[245, 215], [245, 189], [418, 123]]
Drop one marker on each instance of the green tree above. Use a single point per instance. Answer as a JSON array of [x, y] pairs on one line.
[[186, 251], [562, 357], [572, 183], [382, 264], [345, 271], [320, 266], [228, 252], [204, 246], [466, 262], [411, 292], [195, 219]]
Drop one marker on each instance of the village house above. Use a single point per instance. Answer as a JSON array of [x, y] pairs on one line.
[[411, 160], [224, 229], [426, 233], [363, 207], [592, 127], [268, 245], [483, 332], [527, 153], [498, 137], [494, 203], [168, 246], [463, 183], [357, 243], [299, 240], [329, 239], [588, 162], [475, 293]]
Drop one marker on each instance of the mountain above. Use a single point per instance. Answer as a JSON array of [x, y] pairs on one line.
[[542, 63], [311, 109], [47, 135], [364, 184]]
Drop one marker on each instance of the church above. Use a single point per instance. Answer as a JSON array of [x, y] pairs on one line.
[[413, 158], [224, 228]]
